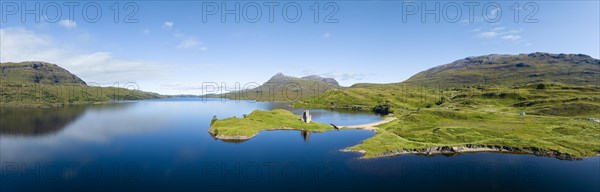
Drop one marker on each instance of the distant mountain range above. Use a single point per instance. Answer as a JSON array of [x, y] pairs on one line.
[[500, 70], [281, 78]]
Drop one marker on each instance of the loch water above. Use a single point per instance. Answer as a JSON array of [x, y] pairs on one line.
[[164, 145]]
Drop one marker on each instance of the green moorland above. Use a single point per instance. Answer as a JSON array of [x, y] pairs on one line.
[[247, 127], [539, 103], [40, 84], [545, 104], [556, 120]]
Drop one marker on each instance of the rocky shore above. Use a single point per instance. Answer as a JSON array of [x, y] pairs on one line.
[[471, 148], [239, 138]]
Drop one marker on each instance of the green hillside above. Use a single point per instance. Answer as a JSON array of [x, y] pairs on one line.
[[566, 77], [513, 70], [546, 104], [34, 84], [38, 72]]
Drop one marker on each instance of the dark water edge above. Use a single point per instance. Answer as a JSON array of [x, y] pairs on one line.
[[163, 145]]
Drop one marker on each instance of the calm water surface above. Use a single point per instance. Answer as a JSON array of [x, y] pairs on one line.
[[164, 145]]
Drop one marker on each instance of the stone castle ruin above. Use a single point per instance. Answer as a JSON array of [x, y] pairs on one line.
[[306, 116]]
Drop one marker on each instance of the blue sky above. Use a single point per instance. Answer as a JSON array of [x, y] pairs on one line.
[[171, 50]]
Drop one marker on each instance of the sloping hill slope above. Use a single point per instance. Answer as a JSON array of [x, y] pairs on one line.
[[37, 72], [281, 87], [35, 84], [510, 70]]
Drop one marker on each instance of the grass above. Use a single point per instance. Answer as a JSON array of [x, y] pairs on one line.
[[432, 116], [439, 127], [510, 70], [13, 94], [41, 84], [555, 120], [258, 120]]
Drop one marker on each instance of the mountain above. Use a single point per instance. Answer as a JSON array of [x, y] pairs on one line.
[[281, 78], [37, 72], [39, 84], [322, 79], [509, 70], [281, 87]]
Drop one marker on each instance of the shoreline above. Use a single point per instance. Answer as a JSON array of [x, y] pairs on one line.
[[470, 148], [428, 151], [245, 138], [368, 126]]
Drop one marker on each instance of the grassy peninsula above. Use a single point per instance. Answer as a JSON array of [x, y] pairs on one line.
[[244, 128]]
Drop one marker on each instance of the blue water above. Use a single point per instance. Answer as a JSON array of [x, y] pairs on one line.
[[159, 145]]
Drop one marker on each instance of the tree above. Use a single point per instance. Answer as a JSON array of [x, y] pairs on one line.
[[541, 86], [212, 121], [382, 108]]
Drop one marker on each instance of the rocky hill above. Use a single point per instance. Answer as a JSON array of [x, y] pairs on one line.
[[37, 72], [40, 84], [509, 70], [281, 87]]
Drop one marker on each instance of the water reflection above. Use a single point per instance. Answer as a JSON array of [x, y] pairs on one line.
[[168, 143], [339, 117], [37, 122], [305, 135]]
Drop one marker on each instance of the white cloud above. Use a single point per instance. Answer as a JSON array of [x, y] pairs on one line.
[[488, 34], [67, 23], [20, 44], [499, 28], [205, 87], [168, 25], [500, 33], [340, 76], [327, 35], [511, 37], [189, 43]]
